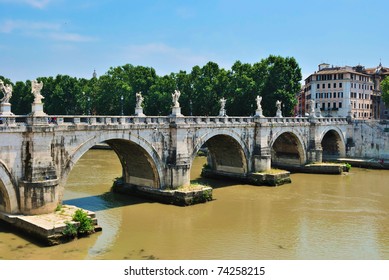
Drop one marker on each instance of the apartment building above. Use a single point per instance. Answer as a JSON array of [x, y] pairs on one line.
[[344, 91]]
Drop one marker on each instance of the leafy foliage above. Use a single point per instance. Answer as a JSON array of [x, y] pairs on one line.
[[85, 222], [274, 78], [385, 90]]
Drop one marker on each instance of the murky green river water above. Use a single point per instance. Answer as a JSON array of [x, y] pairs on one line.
[[315, 217]]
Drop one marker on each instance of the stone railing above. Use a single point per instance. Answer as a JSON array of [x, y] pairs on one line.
[[61, 120]]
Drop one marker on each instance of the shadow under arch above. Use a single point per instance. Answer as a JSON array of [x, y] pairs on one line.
[[287, 150], [127, 149], [333, 144], [226, 152], [8, 194]]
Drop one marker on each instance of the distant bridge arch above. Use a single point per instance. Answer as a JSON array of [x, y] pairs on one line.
[[333, 143], [8, 194], [227, 151], [288, 148], [135, 154]]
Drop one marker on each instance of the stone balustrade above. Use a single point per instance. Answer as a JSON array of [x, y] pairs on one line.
[[61, 120]]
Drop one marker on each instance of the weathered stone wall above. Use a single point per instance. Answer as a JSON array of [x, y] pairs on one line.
[[369, 139]]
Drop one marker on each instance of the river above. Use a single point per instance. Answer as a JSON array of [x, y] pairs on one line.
[[314, 217]]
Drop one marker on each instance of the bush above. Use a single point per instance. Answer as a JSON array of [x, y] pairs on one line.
[[85, 222], [70, 230]]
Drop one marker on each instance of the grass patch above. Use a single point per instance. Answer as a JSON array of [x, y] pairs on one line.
[[192, 187], [271, 171]]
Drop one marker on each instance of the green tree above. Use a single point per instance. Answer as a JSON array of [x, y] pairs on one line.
[[242, 90], [22, 98], [385, 90], [158, 101], [209, 84], [278, 79], [123, 81]]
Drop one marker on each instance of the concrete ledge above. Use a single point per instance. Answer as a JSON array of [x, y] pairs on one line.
[[316, 168], [47, 228], [325, 168], [371, 163], [269, 178], [181, 197]]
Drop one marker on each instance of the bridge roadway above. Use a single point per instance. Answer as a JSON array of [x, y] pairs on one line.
[[37, 153]]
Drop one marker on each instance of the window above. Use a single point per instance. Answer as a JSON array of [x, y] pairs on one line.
[[317, 86], [340, 104], [323, 106], [329, 85], [334, 105], [323, 86], [340, 85], [334, 85]]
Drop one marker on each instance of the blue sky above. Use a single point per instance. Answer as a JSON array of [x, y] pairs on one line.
[[73, 37]]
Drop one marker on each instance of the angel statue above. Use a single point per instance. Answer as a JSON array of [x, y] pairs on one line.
[[176, 96], [278, 105], [7, 91], [222, 103], [259, 100], [36, 90], [139, 99]]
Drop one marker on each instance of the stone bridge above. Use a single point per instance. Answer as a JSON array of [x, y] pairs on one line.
[[37, 153]]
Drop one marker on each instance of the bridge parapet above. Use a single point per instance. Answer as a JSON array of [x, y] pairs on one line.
[[23, 120]]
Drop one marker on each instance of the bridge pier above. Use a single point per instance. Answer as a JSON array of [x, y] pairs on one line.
[[261, 159], [178, 176], [315, 152], [39, 197]]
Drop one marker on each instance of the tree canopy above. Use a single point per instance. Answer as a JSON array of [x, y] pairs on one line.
[[274, 78], [385, 90]]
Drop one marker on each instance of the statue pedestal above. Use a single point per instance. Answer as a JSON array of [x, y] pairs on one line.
[[258, 113], [139, 112], [279, 114], [176, 112], [37, 110], [5, 109], [222, 113]]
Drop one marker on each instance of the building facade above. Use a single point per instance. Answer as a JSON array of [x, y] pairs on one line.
[[345, 91]]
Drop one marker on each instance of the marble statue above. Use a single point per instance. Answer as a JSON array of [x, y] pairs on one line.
[[278, 105], [259, 100], [312, 104], [139, 99], [7, 91], [36, 90], [176, 96], [222, 103]]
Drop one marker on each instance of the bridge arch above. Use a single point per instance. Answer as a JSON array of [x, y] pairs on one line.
[[288, 149], [134, 153], [8, 195], [227, 151], [333, 143]]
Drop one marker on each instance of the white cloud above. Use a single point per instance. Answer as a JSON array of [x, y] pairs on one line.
[[70, 37], [48, 30], [40, 4], [9, 26]]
